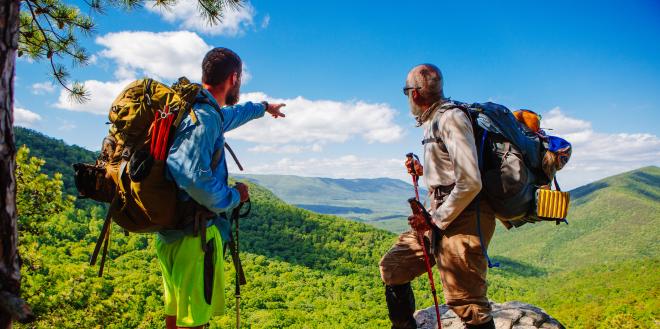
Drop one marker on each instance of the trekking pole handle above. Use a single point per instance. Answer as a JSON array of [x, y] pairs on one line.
[[412, 157], [418, 208]]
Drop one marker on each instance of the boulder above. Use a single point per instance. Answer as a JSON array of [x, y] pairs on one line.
[[509, 315]]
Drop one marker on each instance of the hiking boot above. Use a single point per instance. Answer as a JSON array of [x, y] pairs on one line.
[[401, 306], [487, 325]]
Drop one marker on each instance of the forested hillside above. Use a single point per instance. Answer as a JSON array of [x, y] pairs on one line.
[[58, 155], [307, 270], [602, 270], [304, 269]]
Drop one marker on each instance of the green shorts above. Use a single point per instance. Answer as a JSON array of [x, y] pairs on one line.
[[193, 280]]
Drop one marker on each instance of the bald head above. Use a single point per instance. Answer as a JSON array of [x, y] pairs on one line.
[[428, 78]]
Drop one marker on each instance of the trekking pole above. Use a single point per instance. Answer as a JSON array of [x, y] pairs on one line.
[[237, 266], [240, 276], [413, 172], [237, 293], [417, 208]]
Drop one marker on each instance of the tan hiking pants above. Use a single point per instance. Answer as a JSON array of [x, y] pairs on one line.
[[461, 263]]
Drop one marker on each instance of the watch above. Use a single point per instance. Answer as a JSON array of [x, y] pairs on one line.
[[265, 105]]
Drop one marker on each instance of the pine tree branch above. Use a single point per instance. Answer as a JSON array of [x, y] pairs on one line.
[[48, 27], [76, 92]]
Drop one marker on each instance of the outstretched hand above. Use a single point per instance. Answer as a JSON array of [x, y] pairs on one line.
[[274, 110]]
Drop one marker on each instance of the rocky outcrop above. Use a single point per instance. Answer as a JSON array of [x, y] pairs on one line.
[[510, 315]]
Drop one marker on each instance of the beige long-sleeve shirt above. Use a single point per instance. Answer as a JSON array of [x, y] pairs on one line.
[[452, 159]]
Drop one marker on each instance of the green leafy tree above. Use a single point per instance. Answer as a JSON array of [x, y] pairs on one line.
[[45, 30], [39, 197]]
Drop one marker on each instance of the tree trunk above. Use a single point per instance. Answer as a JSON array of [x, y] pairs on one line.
[[11, 306]]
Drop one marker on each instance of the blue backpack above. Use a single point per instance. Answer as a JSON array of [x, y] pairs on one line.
[[510, 161], [511, 165]]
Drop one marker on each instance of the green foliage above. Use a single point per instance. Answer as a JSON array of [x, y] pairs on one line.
[[620, 295], [304, 270], [307, 270], [38, 197], [55, 242], [59, 156], [601, 270]]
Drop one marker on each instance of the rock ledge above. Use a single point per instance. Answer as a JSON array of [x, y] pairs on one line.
[[509, 315]]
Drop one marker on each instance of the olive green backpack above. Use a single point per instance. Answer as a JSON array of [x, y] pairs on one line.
[[129, 173]]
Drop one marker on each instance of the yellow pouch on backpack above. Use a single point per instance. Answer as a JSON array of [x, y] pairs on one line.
[[552, 204]]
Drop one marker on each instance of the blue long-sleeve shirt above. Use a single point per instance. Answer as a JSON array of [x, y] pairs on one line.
[[190, 156]]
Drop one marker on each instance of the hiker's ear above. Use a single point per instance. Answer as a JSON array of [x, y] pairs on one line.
[[414, 93], [234, 78]]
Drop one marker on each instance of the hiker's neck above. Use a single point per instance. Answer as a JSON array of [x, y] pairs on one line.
[[219, 92]]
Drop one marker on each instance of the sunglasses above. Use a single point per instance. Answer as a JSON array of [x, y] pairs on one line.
[[406, 90]]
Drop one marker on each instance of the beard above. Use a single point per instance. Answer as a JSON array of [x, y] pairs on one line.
[[233, 95], [415, 109]]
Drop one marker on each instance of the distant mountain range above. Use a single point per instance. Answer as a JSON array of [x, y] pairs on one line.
[[380, 202]]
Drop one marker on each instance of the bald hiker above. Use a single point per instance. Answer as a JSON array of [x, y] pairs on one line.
[[454, 181]]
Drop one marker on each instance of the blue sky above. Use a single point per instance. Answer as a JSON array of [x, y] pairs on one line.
[[591, 68]]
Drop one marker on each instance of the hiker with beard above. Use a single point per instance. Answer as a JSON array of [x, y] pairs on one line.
[[453, 179], [193, 290]]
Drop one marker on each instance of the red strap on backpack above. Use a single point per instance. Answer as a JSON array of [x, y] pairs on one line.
[[162, 125]]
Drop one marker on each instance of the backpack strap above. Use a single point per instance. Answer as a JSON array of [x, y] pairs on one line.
[[233, 155], [216, 155], [147, 91], [99, 241], [556, 184], [206, 100], [484, 250], [431, 140], [444, 108]]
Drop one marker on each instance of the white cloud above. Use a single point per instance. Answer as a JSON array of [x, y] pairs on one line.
[[597, 155], [41, 88], [348, 166], [24, 117], [65, 125], [265, 22], [246, 75], [286, 149], [163, 55], [101, 95], [234, 21], [320, 121]]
